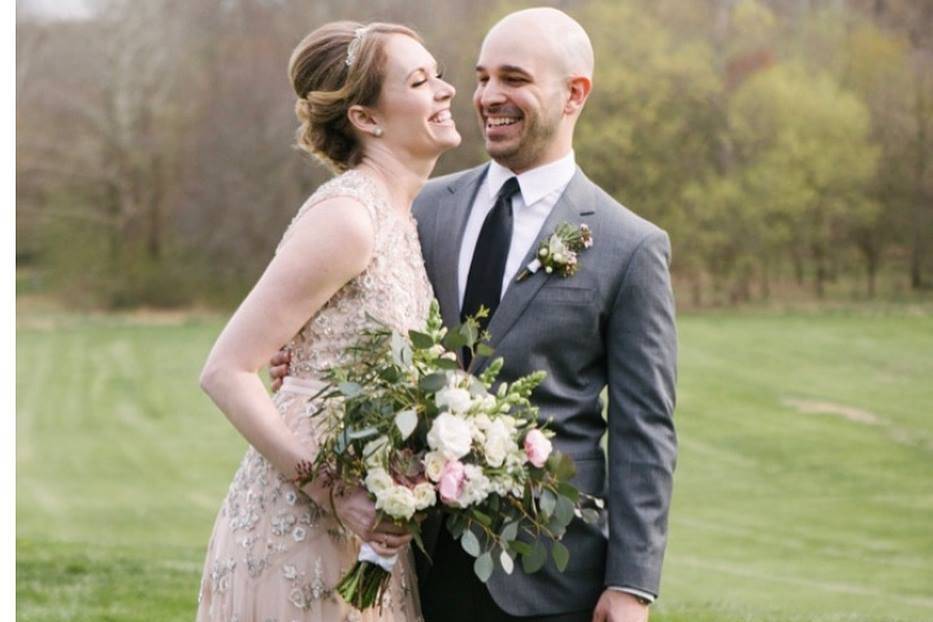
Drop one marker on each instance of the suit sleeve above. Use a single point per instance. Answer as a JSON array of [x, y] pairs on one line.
[[642, 360]]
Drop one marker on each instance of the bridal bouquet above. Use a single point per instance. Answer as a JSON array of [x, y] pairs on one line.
[[402, 419]]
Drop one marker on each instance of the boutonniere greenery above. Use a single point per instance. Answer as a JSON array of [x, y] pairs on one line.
[[558, 252]]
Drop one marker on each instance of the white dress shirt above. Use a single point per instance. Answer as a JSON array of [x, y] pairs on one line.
[[539, 190]]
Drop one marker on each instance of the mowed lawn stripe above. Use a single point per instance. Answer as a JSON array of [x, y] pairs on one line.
[[810, 497]]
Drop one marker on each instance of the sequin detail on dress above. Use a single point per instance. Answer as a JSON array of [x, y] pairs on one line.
[[274, 554]]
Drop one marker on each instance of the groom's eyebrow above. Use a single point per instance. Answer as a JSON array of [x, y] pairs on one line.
[[507, 69]]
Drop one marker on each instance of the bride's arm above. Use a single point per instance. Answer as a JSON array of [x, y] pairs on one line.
[[328, 246]]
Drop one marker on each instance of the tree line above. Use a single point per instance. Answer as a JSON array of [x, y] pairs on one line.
[[784, 144]]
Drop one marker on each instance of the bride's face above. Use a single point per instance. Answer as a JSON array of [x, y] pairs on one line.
[[414, 105]]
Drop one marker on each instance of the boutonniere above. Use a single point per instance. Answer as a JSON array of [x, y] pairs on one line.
[[558, 252]]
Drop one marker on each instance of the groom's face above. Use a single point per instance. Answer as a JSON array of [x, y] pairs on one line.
[[519, 100]]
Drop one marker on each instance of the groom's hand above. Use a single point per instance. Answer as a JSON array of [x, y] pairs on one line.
[[278, 368], [616, 606]]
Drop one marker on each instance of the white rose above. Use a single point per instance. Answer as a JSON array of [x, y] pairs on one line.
[[378, 480], [397, 502], [425, 496], [457, 400], [376, 451], [498, 443], [450, 435], [434, 462], [476, 488]]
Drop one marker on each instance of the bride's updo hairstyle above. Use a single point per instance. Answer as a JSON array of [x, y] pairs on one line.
[[339, 65]]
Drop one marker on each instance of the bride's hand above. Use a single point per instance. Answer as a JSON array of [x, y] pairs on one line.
[[358, 513], [278, 368]]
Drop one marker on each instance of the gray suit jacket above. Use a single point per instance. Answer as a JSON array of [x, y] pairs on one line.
[[611, 324]]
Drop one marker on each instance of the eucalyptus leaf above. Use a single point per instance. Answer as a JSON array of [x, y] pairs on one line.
[[455, 526], [420, 340], [560, 554], [350, 389], [469, 542], [522, 548], [356, 435], [547, 503], [508, 565], [510, 531], [446, 363], [398, 345], [468, 333], [406, 421], [562, 466], [483, 567], [432, 383], [590, 516], [568, 490], [453, 340], [564, 511], [534, 561], [340, 445], [482, 518]]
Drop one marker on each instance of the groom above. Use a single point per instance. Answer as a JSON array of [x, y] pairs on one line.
[[610, 324]]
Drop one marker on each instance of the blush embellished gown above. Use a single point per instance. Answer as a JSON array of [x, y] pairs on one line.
[[274, 555]]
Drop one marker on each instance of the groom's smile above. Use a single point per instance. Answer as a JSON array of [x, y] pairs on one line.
[[502, 124]]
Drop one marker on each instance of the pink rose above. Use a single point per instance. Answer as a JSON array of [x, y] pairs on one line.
[[450, 484], [537, 448]]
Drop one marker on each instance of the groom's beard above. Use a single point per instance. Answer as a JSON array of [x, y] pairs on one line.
[[537, 133]]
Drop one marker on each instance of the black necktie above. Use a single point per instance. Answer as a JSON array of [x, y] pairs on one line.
[[484, 284]]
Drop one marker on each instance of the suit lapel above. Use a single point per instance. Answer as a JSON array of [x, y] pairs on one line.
[[519, 294], [454, 210]]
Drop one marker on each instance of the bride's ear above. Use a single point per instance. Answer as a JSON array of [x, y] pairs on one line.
[[363, 120]]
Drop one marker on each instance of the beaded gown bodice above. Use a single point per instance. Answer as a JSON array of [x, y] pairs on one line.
[[394, 288]]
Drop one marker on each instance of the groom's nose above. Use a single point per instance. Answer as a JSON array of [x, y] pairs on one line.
[[491, 94]]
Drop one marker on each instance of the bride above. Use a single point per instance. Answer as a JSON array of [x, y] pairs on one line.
[[373, 107]]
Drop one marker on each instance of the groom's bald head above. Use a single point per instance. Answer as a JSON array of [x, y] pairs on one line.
[[554, 34], [534, 73]]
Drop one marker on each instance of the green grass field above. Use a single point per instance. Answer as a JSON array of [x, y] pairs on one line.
[[804, 488]]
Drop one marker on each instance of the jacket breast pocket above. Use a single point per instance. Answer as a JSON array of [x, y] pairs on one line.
[[566, 295]]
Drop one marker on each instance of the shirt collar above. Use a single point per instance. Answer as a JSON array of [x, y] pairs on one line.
[[536, 183]]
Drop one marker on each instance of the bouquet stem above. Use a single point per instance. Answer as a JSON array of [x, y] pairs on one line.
[[364, 585]]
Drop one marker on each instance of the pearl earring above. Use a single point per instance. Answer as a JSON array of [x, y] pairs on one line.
[[377, 132]]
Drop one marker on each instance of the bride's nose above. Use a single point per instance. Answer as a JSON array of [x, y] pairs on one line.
[[446, 91]]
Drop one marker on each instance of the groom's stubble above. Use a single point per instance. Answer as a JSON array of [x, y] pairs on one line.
[[540, 129]]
